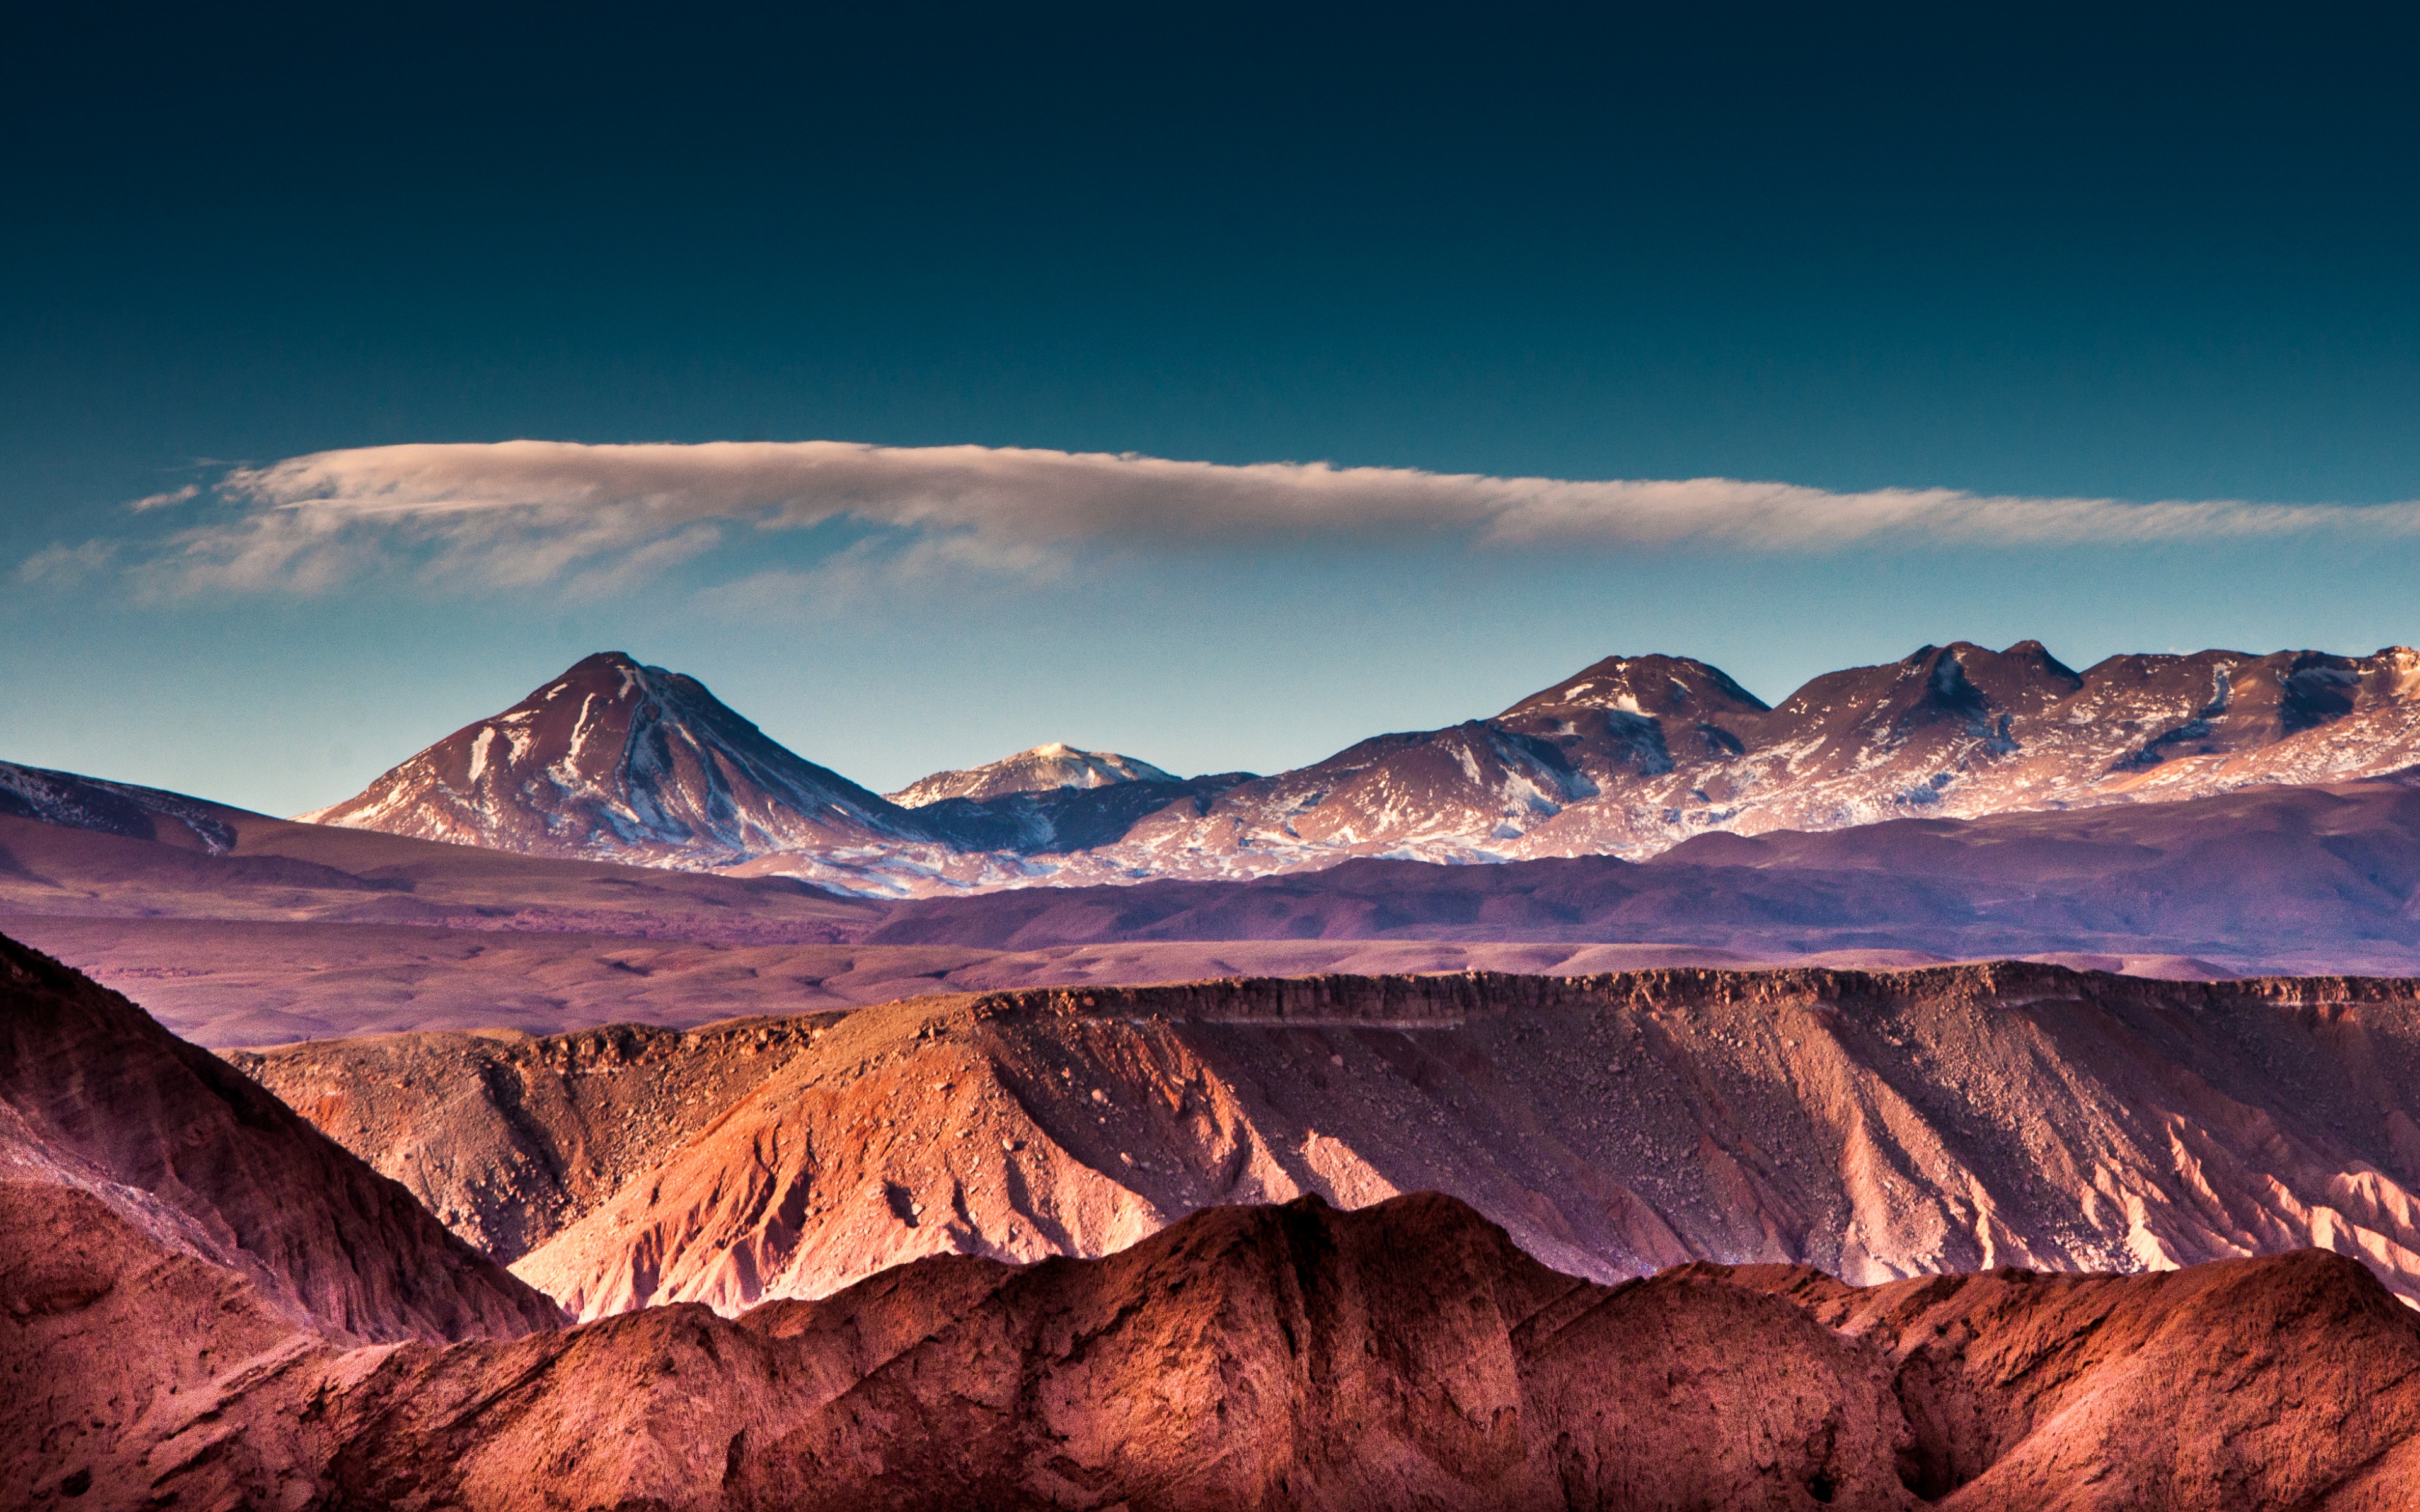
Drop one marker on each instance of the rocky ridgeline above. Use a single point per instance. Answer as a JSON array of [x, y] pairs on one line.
[[1406, 1354], [97, 1098], [1630, 757], [1872, 1124]]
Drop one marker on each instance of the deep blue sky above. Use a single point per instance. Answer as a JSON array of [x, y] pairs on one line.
[[2028, 251]]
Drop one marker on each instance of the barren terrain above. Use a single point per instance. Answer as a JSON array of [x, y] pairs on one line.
[[1874, 1125], [200, 1296], [301, 932], [1407, 1354]]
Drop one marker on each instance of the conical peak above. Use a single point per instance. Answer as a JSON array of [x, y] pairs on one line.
[[611, 674], [601, 663]]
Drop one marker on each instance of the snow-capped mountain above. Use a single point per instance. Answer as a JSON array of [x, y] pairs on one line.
[[1633, 755], [1039, 770], [1628, 757], [616, 761]]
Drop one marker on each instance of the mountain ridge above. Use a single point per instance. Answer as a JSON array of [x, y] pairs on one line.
[[1874, 1124], [1629, 757]]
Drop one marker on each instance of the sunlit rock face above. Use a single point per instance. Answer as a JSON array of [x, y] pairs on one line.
[[1872, 1124]]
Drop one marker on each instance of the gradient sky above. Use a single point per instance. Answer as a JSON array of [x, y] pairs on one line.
[[2032, 254]]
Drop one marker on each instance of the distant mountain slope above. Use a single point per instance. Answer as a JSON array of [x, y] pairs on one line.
[[296, 934], [1063, 823], [1038, 770], [617, 761], [115, 809], [1633, 755], [2320, 877]]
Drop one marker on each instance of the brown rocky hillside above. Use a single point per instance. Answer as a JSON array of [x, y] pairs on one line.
[[1872, 1124]]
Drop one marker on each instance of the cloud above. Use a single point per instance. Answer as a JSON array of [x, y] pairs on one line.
[[161, 501], [517, 514], [66, 565]]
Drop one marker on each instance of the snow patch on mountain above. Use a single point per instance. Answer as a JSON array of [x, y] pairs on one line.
[[645, 766], [1039, 770]]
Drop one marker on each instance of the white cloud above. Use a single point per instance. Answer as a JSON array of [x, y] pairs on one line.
[[522, 513], [161, 501], [66, 565]]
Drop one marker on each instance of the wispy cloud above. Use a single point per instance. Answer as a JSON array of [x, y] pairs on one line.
[[522, 513], [64, 566], [163, 501]]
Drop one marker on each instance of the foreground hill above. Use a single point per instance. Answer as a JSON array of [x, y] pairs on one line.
[[103, 1111], [1875, 1125], [1293, 1357]]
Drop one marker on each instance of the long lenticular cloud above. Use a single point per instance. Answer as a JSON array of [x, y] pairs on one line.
[[519, 513]]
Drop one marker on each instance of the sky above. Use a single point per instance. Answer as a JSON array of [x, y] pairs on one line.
[[1220, 386]]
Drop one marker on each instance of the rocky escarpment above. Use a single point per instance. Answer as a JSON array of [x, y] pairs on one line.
[[510, 1138], [1873, 1124], [1299, 1357], [101, 1107]]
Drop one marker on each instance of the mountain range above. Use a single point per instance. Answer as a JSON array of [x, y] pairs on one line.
[[974, 1186], [1628, 758]]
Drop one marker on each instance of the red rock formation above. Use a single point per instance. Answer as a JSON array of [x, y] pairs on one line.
[[1873, 1124], [97, 1098], [1299, 1357]]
